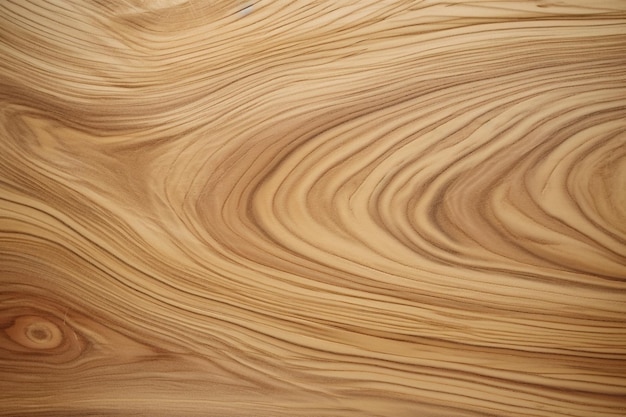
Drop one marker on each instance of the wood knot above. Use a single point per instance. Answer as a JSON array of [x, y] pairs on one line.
[[35, 332], [36, 329]]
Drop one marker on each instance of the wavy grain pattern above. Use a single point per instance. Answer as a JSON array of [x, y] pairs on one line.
[[342, 208]]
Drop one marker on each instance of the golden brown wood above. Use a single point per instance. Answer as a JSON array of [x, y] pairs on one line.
[[313, 208]]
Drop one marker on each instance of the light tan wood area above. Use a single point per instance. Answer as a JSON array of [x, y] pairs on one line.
[[313, 208]]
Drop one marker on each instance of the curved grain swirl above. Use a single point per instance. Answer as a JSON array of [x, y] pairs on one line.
[[382, 208]]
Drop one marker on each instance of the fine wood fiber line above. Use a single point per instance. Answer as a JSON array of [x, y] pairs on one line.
[[309, 208]]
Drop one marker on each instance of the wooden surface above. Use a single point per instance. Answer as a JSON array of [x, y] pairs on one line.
[[342, 208]]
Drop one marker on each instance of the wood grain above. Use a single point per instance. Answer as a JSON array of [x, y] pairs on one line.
[[309, 208]]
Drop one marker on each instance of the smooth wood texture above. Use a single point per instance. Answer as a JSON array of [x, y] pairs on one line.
[[313, 208]]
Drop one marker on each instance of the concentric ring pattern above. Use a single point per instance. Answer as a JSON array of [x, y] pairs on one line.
[[309, 208]]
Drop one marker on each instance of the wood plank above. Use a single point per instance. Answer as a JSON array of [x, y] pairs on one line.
[[313, 208]]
